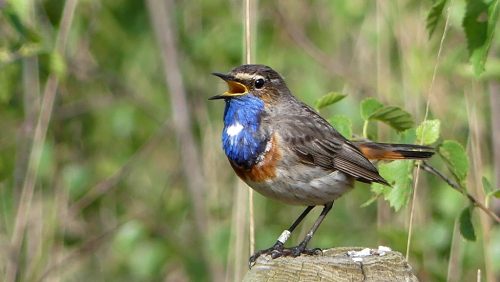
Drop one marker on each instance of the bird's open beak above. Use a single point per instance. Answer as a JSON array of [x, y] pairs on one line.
[[234, 88]]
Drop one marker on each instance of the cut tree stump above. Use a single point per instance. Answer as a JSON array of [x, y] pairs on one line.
[[337, 264]]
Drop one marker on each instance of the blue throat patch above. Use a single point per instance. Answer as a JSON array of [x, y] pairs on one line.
[[242, 139]]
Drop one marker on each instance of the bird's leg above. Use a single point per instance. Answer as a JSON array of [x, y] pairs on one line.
[[301, 248], [277, 249]]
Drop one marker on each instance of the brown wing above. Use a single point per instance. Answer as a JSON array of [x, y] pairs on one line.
[[317, 143]]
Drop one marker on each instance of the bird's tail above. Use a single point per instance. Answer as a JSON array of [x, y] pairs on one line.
[[385, 151]]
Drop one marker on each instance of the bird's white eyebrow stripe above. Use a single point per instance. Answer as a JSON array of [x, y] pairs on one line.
[[244, 76], [247, 76]]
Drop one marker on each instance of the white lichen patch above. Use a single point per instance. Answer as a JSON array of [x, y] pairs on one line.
[[358, 256], [382, 250]]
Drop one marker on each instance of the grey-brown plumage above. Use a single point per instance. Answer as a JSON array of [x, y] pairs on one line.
[[284, 150], [317, 143]]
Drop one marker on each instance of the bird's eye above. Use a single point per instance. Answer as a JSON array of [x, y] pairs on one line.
[[259, 83]]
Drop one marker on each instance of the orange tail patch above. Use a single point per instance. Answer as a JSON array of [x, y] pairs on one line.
[[376, 154], [382, 151]]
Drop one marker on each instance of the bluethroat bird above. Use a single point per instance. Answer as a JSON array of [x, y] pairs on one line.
[[286, 151]]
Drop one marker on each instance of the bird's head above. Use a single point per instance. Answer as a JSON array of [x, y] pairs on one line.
[[257, 80]]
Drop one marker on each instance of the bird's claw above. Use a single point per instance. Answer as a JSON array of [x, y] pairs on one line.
[[278, 251], [275, 252], [299, 250]]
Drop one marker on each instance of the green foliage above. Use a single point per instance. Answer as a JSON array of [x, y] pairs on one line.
[[395, 117], [329, 99], [489, 191], [486, 185], [434, 16], [369, 106], [495, 193], [17, 38], [343, 125], [428, 132], [454, 155], [479, 24], [466, 226], [399, 175]]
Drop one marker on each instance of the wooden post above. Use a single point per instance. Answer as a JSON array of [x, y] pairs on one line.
[[337, 264]]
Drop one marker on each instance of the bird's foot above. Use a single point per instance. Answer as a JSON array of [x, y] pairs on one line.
[[277, 250], [299, 250]]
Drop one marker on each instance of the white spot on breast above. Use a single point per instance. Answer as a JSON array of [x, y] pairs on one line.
[[234, 129]]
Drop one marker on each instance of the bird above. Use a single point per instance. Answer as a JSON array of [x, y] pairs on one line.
[[283, 149]]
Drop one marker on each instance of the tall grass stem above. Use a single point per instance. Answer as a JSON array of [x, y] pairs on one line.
[[427, 106]]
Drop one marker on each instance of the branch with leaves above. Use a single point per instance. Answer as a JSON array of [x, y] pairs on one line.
[[479, 24], [399, 173], [474, 202]]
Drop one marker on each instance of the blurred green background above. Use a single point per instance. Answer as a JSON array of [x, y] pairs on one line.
[[132, 186]]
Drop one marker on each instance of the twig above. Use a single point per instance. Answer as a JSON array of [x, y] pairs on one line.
[[426, 167], [161, 20], [37, 147], [31, 106]]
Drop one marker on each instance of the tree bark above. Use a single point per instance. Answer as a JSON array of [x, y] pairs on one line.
[[334, 265]]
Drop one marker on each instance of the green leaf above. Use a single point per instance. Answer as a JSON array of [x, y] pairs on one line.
[[488, 190], [466, 226], [454, 155], [369, 106], [16, 15], [402, 177], [395, 117], [435, 15], [380, 189], [343, 125], [495, 194], [486, 185], [479, 24], [329, 99], [428, 131], [398, 174]]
